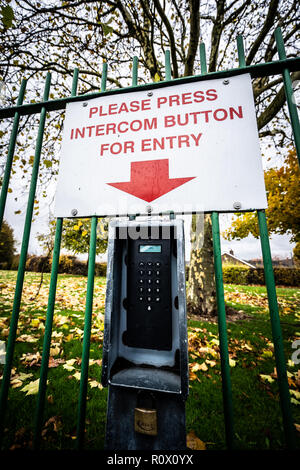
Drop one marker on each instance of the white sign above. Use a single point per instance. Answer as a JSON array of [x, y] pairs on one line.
[[188, 147]]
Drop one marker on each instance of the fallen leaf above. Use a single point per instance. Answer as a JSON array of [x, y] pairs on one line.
[[198, 367], [77, 375], [295, 402], [193, 442], [267, 378], [54, 351], [32, 388], [95, 384]]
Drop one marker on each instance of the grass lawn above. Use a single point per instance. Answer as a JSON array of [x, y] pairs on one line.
[[258, 423]]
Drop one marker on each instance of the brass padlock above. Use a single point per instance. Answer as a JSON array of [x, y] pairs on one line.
[[145, 421]]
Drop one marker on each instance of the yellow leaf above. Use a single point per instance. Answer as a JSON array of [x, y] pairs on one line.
[[210, 363], [94, 384], [295, 402], [232, 362], [32, 388], [77, 375], [267, 378], [68, 367], [156, 77], [193, 442], [54, 351], [295, 393]]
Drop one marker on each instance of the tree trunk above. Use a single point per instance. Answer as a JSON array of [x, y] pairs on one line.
[[201, 290]]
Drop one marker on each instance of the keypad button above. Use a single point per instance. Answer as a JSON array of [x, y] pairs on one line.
[[149, 308], [157, 290], [141, 298], [149, 263], [141, 264], [157, 281], [141, 272], [141, 281], [141, 289], [149, 299], [149, 289], [157, 273], [149, 272], [157, 264], [149, 281], [157, 299]]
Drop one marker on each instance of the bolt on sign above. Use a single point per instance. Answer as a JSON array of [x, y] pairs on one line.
[[189, 147]]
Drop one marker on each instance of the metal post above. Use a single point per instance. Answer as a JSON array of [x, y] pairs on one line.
[[47, 337], [168, 70], [241, 51], [225, 368], [22, 262], [49, 316], [86, 335], [135, 63], [203, 64], [10, 154], [289, 92], [276, 332]]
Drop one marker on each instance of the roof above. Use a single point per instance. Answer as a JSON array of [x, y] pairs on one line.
[[239, 259]]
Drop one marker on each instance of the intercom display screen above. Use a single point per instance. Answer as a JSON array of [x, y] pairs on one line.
[[150, 248]]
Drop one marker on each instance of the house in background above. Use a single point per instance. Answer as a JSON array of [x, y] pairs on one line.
[[229, 258]]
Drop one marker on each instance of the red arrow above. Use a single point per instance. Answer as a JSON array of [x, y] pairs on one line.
[[150, 180]]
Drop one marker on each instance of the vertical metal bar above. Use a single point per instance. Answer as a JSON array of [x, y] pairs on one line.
[[225, 368], [168, 70], [10, 154], [49, 316], [276, 332], [289, 92], [22, 262], [47, 336], [104, 76], [203, 58], [135, 63], [88, 317], [86, 336], [241, 51]]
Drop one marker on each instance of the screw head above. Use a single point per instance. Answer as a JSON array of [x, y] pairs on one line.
[[74, 212], [148, 209], [84, 104], [150, 93], [237, 205], [226, 82]]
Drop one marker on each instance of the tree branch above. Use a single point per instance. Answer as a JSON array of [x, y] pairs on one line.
[[194, 36]]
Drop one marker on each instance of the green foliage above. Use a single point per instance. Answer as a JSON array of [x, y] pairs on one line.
[[7, 16], [235, 275], [296, 253], [246, 276], [76, 235], [7, 246], [67, 265], [283, 213]]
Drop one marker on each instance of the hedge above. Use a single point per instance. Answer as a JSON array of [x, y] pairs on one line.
[[231, 274], [67, 264], [244, 276]]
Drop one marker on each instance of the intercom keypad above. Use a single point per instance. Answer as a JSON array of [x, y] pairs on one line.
[[149, 305]]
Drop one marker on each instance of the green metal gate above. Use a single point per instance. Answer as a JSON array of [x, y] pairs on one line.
[[283, 67]]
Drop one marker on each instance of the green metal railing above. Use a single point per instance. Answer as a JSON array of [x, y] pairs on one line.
[[283, 66]]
